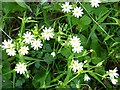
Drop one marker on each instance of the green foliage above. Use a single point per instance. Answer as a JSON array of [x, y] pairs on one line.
[[98, 30]]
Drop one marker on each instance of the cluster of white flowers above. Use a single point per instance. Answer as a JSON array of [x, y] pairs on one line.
[[76, 44], [113, 75], [28, 38], [77, 11], [76, 66], [95, 3], [9, 47]]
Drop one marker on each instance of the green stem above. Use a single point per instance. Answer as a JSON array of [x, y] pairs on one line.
[[71, 79], [68, 71], [9, 72]]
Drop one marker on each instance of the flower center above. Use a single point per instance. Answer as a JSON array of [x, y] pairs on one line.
[[21, 67], [37, 43], [66, 7], [8, 45], [77, 11], [47, 32]]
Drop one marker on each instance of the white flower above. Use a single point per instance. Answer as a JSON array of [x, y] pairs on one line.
[[77, 49], [75, 41], [24, 50], [7, 44], [76, 66], [95, 3], [86, 77], [36, 44], [66, 7], [27, 37], [53, 54], [47, 33], [77, 12], [113, 80], [112, 73], [11, 52], [20, 68]]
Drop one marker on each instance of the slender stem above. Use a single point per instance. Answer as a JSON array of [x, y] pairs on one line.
[[5, 33], [71, 79]]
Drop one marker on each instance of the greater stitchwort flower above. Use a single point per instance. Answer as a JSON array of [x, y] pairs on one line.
[[113, 80], [47, 33], [20, 68], [77, 12], [36, 44], [24, 50], [28, 37], [95, 3], [76, 44], [77, 49], [86, 77], [7, 44], [75, 41], [11, 52], [76, 66], [113, 73], [53, 54], [66, 7]]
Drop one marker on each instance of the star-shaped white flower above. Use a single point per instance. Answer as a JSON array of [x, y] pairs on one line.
[[47, 33], [113, 73], [20, 68], [36, 44], [114, 81], [24, 50], [76, 66], [7, 44], [95, 3], [28, 37], [53, 54], [86, 77], [77, 12], [74, 41], [77, 49], [66, 7], [11, 52]]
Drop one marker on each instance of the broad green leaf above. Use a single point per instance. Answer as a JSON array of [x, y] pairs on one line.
[[37, 64], [23, 4], [66, 52], [48, 58], [83, 40], [19, 82], [85, 20], [11, 7], [100, 70], [96, 60], [75, 21], [41, 79], [47, 47]]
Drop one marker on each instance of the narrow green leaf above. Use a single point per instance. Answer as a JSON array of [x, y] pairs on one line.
[[96, 77]]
